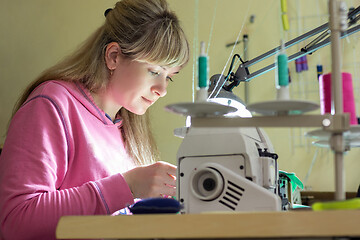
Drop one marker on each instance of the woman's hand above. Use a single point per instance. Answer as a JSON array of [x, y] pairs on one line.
[[155, 180]]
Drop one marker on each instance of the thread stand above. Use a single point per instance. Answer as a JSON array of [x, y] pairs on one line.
[[282, 107]]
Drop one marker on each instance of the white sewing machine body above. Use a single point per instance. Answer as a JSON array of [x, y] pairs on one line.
[[227, 169]]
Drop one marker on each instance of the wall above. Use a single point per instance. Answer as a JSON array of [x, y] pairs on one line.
[[38, 33]]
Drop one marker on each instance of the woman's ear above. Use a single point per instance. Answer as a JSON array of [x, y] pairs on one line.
[[112, 54]]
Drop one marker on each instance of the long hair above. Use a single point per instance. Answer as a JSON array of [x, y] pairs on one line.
[[146, 30]]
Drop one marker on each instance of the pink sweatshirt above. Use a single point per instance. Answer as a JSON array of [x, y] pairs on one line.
[[62, 156]]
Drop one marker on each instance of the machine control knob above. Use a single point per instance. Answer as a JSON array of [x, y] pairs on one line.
[[206, 184]]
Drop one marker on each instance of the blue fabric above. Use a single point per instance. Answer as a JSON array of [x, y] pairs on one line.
[[156, 205]]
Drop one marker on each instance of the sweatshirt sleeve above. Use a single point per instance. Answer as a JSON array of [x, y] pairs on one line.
[[33, 165]]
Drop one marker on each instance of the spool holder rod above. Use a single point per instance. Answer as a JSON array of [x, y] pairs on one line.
[[336, 8], [244, 76]]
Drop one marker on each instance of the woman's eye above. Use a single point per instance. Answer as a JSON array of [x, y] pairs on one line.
[[154, 73]]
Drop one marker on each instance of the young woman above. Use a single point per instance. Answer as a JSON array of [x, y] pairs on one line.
[[79, 141]]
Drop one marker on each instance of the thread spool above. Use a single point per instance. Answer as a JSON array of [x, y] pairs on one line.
[[304, 63], [298, 65], [348, 95], [301, 64], [203, 67], [319, 70], [283, 71], [285, 22], [284, 17], [203, 85], [282, 82]]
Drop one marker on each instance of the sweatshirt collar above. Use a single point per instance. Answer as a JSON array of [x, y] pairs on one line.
[[117, 121], [105, 118]]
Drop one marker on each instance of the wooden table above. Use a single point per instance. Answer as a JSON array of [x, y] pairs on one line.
[[295, 224]]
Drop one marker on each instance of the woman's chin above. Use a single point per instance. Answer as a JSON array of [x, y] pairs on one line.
[[138, 111]]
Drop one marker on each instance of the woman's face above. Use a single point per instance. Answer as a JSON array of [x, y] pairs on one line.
[[137, 85]]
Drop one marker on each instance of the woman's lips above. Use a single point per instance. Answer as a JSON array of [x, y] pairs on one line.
[[148, 101]]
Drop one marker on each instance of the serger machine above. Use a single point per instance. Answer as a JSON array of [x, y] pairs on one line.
[[233, 168], [227, 169]]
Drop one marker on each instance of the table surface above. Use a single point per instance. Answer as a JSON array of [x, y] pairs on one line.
[[345, 223]]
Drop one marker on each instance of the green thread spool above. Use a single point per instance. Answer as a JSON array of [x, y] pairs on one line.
[[203, 72], [203, 67], [283, 71]]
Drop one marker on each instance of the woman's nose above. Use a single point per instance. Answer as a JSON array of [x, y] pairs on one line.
[[160, 88]]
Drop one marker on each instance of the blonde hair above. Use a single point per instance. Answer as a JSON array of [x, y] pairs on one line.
[[146, 30]]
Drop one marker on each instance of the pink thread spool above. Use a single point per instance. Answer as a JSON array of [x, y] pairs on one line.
[[348, 95]]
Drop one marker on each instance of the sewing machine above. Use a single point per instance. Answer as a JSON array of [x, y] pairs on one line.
[[227, 169]]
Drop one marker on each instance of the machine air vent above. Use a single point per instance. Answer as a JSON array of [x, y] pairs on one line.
[[232, 195]]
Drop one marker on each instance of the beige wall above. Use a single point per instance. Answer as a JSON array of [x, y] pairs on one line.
[[36, 34]]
